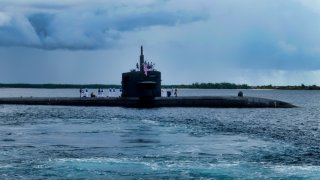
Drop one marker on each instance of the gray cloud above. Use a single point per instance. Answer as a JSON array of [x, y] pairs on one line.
[[82, 28], [247, 41]]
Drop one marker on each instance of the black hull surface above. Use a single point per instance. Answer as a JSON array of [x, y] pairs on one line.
[[198, 101]]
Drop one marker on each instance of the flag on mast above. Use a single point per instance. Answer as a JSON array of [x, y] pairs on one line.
[[145, 69]]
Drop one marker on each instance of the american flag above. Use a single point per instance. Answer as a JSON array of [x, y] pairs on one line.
[[145, 69]]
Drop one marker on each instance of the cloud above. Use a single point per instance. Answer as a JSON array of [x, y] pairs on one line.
[[4, 19], [287, 47], [314, 5], [247, 41], [86, 26]]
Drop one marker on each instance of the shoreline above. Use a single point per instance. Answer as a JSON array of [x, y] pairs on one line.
[[204, 86]]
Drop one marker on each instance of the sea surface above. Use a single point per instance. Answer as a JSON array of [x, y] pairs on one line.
[[58, 142]]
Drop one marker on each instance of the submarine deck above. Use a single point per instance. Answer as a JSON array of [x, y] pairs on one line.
[[187, 101]]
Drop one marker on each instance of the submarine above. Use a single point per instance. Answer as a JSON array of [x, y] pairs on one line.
[[141, 88]]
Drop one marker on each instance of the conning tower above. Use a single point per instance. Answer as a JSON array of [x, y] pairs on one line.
[[145, 82]]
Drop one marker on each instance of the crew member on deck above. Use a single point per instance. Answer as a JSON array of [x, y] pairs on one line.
[[110, 92], [102, 93], [86, 94]]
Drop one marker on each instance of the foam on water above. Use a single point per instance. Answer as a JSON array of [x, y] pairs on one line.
[[136, 166]]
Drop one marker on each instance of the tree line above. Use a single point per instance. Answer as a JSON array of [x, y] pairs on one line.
[[223, 85], [297, 87]]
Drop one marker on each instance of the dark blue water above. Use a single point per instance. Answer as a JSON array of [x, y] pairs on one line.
[[56, 142]]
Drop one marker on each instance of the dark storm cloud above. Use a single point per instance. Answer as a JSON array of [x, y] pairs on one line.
[[82, 28]]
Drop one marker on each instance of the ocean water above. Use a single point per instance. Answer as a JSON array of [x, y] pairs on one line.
[[58, 142]]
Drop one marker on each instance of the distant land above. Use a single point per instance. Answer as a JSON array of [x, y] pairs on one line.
[[223, 85]]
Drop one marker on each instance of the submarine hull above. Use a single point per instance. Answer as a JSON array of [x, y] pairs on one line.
[[198, 101]]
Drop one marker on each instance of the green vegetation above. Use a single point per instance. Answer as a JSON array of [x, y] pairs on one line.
[[223, 85], [301, 87]]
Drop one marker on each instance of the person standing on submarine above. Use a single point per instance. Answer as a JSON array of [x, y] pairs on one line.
[[176, 92]]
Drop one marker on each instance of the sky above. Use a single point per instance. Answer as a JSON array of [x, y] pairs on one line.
[[255, 42]]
